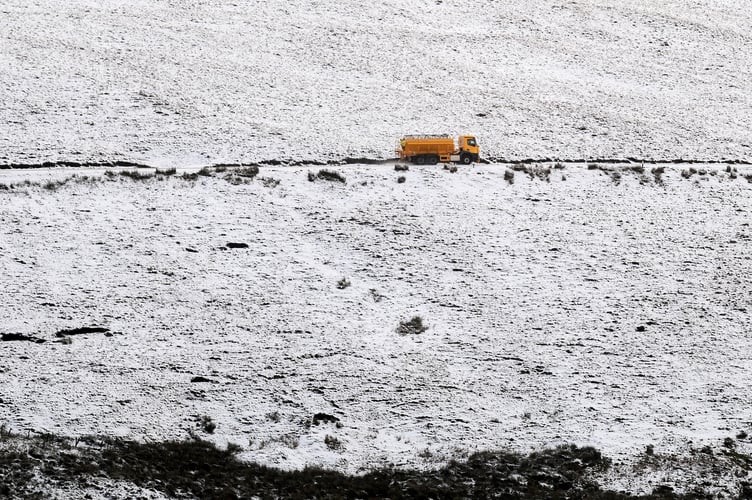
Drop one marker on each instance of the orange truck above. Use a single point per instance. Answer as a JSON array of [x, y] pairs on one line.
[[431, 149]]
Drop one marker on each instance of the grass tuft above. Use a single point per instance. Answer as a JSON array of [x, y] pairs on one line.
[[343, 283], [166, 172], [331, 175], [136, 175], [414, 326], [509, 176]]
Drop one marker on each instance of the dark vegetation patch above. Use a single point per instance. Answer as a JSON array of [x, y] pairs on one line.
[[658, 174], [323, 418], [166, 172], [199, 469], [331, 175], [343, 283], [533, 171], [401, 167], [136, 175], [509, 176], [413, 326]]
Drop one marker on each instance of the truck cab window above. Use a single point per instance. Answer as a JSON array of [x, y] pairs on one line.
[[471, 142]]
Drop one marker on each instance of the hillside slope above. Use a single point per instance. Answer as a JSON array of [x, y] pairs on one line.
[[210, 81]]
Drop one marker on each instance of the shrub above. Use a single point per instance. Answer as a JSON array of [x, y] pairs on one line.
[[167, 171], [414, 326], [250, 171], [658, 174], [189, 176], [331, 175], [207, 424], [558, 166], [509, 176], [638, 169], [311, 176], [401, 167], [233, 448], [205, 172], [220, 168], [53, 185], [136, 175], [616, 177], [332, 443], [542, 173], [343, 283], [401, 179], [270, 182], [453, 169], [273, 416]]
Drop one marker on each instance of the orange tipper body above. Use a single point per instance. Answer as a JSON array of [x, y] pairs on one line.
[[431, 149]]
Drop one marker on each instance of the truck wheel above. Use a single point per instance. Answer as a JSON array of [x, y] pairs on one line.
[[420, 160], [433, 159], [466, 159]]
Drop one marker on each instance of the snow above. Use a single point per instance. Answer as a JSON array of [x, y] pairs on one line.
[[577, 310], [211, 81], [533, 292]]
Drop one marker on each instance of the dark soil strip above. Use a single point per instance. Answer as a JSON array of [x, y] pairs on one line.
[[528, 161], [72, 164], [20, 337], [81, 331], [381, 161]]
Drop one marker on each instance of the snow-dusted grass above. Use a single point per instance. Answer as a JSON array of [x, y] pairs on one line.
[[577, 310], [212, 81]]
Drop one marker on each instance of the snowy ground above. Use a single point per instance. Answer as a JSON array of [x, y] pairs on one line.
[[590, 309], [576, 310], [200, 82]]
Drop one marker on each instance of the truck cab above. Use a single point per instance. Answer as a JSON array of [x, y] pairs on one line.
[[468, 146]]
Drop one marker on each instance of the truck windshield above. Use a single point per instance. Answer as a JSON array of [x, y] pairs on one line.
[[471, 142]]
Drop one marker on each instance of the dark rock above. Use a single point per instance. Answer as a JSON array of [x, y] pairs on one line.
[[81, 331], [12, 337], [237, 245], [324, 418], [199, 378], [640, 328]]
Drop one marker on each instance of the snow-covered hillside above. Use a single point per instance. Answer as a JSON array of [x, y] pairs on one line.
[[601, 309], [197, 82]]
